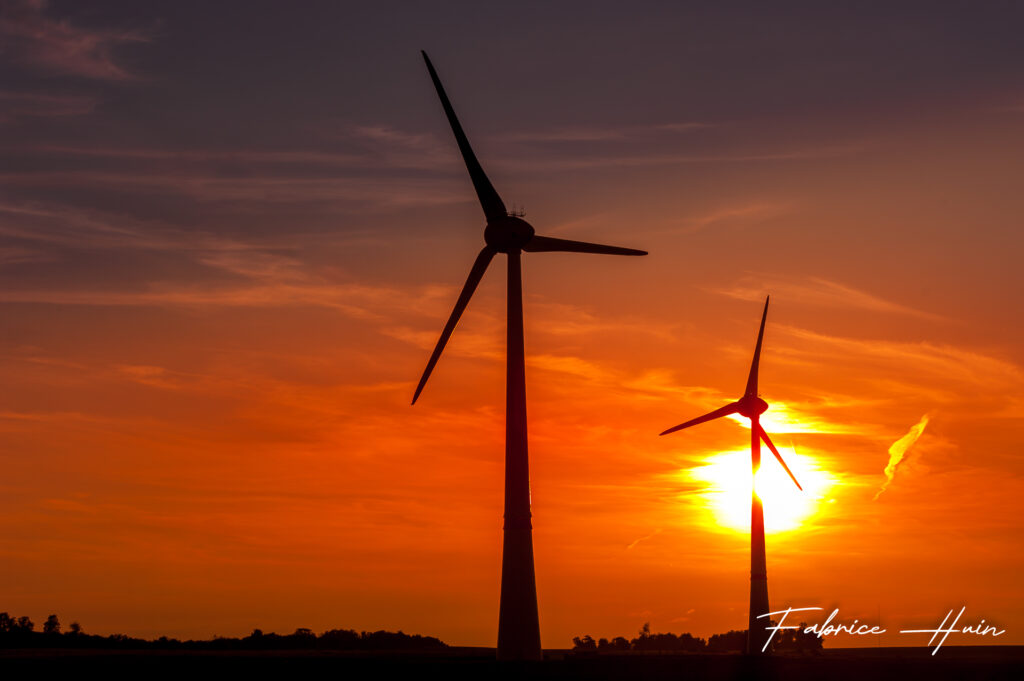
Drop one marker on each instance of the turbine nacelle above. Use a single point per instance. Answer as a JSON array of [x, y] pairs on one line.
[[751, 406], [508, 234]]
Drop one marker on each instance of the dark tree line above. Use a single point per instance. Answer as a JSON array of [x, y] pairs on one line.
[[789, 641], [19, 632]]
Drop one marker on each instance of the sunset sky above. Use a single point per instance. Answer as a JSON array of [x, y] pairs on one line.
[[230, 234]]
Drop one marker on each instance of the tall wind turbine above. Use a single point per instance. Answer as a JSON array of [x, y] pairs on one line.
[[518, 626], [752, 406]]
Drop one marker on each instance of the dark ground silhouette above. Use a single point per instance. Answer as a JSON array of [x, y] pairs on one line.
[[996, 663], [382, 654], [791, 641], [20, 633]]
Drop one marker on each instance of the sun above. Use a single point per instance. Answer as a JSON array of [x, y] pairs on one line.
[[725, 478]]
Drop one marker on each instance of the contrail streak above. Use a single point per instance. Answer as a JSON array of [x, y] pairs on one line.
[[643, 539], [899, 451]]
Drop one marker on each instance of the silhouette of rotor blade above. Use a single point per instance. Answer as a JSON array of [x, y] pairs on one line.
[[489, 199], [752, 379], [771, 446], [718, 413], [475, 275], [538, 244]]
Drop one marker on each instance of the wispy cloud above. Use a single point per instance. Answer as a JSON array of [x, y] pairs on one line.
[[14, 105], [899, 452], [817, 291], [153, 376], [574, 366], [356, 300], [643, 539], [950, 363], [662, 383], [398, 148], [356, 147], [205, 155], [602, 133], [55, 45], [17, 254], [758, 210], [559, 319], [480, 345], [274, 189], [660, 158], [55, 223]]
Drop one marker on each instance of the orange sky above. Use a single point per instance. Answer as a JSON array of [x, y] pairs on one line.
[[211, 338]]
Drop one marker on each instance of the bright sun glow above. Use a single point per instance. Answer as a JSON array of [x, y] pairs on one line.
[[726, 477], [781, 418]]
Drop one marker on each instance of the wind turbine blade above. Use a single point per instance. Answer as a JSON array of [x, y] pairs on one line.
[[489, 199], [475, 275], [538, 244], [718, 413], [752, 379], [771, 446]]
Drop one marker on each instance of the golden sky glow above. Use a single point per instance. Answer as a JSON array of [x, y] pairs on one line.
[[227, 250]]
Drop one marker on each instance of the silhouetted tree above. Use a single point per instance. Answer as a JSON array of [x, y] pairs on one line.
[[688, 643], [339, 639], [585, 643], [620, 643], [796, 641], [729, 642], [668, 642], [19, 633], [387, 640]]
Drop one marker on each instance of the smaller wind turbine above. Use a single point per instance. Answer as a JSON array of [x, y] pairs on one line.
[[752, 406]]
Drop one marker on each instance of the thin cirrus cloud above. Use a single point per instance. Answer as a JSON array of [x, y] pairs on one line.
[[362, 147], [388, 149], [411, 150], [586, 147], [750, 212], [63, 225], [819, 292], [17, 105], [10, 255], [269, 188], [33, 38], [356, 300], [928, 361], [204, 155], [371, 168], [600, 133], [563, 161]]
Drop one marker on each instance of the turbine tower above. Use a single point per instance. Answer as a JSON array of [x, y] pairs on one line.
[[752, 406], [518, 626]]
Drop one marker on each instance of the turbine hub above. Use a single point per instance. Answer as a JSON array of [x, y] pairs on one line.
[[751, 406], [508, 234]]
